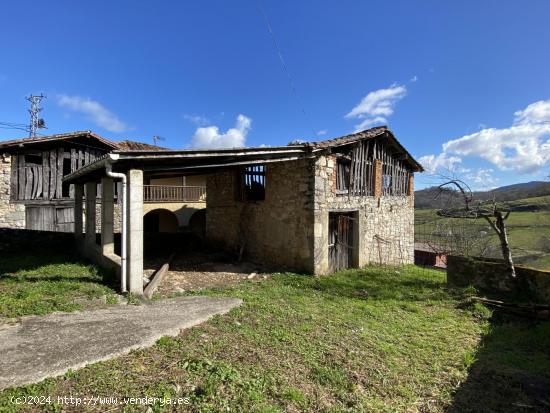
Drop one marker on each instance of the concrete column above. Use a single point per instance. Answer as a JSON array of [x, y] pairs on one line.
[[78, 222], [91, 193], [107, 216], [135, 231]]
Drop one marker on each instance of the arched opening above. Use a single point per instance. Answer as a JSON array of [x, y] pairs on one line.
[[160, 221], [197, 223]]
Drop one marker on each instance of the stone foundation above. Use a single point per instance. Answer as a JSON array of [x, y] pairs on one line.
[[11, 215]]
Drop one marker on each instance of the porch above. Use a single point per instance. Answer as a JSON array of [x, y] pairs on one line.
[[148, 181]]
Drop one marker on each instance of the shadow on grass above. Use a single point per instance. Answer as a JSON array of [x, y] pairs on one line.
[[375, 283], [511, 371], [51, 266]]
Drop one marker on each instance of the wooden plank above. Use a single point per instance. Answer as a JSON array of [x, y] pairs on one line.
[[80, 158], [45, 175], [86, 157], [74, 159], [21, 173], [37, 186], [28, 183], [74, 155], [14, 178], [59, 174], [38, 193], [53, 172]]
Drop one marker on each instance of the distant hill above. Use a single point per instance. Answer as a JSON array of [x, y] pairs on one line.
[[424, 198]]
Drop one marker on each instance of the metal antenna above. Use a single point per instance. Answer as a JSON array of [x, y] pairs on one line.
[[36, 122], [157, 138]]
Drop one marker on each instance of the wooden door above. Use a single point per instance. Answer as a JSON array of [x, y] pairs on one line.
[[40, 218], [341, 241], [49, 218], [64, 219]]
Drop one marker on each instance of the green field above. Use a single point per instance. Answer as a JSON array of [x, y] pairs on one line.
[[528, 231]]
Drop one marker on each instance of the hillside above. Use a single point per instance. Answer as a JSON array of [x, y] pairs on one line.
[[528, 229], [425, 198]]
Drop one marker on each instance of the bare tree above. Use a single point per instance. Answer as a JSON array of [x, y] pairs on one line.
[[486, 210]]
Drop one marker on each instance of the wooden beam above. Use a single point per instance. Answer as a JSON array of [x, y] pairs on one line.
[[53, 173], [59, 174], [73, 168], [14, 178], [45, 175], [28, 183], [21, 173]]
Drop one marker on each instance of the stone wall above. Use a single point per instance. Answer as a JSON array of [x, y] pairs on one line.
[[12, 240], [289, 229], [490, 276], [11, 215], [386, 223], [277, 231]]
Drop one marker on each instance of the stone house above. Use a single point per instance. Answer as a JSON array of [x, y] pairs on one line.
[[34, 196], [312, 207]]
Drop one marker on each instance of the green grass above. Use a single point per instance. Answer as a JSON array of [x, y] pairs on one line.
[[43, 283], [360, 340]]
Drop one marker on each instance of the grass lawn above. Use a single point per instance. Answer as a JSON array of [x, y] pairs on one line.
[[47, 282], [360, 340]]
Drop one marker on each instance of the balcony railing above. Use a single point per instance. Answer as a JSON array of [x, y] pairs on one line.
[[172, 193]]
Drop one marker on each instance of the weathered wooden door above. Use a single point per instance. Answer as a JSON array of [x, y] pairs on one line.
[[49, 218], [64, 219], [341, 241], [40, 218]]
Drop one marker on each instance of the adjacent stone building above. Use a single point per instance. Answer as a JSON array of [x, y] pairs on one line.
[[312, 207], [33, 195]]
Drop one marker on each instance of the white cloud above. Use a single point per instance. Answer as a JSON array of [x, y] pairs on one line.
[[414, 79], [535, 113], [523, 147], [210, 137], [198, 120], [434, 163], [377, 106], [482, 179], [322, 132], [95, 111]]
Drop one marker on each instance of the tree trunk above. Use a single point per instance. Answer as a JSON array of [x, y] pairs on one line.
[[504, 245]]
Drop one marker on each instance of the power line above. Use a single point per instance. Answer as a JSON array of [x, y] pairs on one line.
[[282, 60]]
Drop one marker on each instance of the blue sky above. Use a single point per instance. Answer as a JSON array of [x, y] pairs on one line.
[[470, 75]]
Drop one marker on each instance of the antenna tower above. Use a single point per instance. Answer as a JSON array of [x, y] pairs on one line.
[[36, 122]]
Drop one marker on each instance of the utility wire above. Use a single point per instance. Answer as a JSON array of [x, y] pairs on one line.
[[283, 63]]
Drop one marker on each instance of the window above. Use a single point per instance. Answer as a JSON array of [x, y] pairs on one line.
[[342, 176], [253, 183], [33, 159], [65, 187]]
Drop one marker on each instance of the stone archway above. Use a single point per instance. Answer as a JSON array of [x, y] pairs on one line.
[[160, 221]]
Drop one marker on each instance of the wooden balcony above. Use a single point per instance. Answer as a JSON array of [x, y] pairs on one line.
[[172, 193]]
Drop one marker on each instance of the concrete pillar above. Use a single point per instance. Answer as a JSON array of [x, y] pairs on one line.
[[91, 193], [78, 222], [135, 231], [107, 216]]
